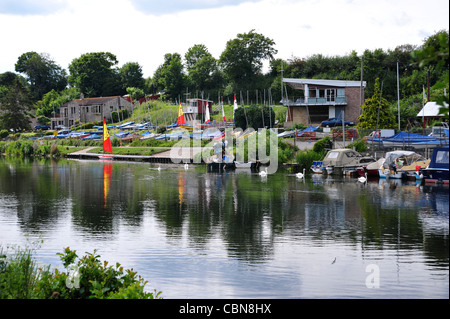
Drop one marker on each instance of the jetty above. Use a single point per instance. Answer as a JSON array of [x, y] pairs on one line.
[[175, 155]]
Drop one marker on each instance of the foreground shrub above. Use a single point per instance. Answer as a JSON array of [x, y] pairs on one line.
[[83, 278]]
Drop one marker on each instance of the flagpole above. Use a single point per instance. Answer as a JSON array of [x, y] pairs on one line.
[[423, 111]]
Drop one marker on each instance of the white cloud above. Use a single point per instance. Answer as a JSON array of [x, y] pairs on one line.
[[299, 28]]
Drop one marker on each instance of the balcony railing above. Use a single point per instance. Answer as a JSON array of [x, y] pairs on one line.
[[301, 101]]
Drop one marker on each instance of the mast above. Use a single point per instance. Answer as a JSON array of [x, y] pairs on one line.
[[398, 99]]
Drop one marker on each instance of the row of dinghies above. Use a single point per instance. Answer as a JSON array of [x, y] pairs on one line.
[[397, 164]]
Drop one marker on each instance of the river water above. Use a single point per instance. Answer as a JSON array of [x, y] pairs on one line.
[[194, 234]]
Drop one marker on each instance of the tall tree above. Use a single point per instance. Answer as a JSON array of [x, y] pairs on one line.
[[169, 76], [42, 73], [201, 67], [376, 110], [15, 104], [242, 60], [131, 75], [93, 74]]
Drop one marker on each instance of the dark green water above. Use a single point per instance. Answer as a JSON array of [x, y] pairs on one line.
[[194, 234]]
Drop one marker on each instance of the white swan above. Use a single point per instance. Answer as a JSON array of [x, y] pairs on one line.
[[263, 173], [363, 179], [159, 167], [300, 175], [186, 166]]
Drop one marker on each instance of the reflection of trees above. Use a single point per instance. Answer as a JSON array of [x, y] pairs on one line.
[[247, 215], [39, 200]]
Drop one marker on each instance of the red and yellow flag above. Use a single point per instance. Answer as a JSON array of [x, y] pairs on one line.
[[181, 119], [107, 147]]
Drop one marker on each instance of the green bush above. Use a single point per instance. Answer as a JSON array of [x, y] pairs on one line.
[[83, 278], [305, 159], [359, 145], [4, 133], [322, 145], [54, 151]]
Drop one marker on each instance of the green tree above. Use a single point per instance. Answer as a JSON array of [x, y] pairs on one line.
[[51, 102], [131, 75], [15, 104], [376, 110], [93, 74], [42, 73], [202, 69], [135, 93], [242, 60], [169, 76], [434, 56], [255, 117]]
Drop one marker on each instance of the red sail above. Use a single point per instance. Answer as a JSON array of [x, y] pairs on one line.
[[107, 147]]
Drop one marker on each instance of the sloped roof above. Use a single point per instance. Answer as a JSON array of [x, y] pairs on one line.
[[430, 109], [95, 100]]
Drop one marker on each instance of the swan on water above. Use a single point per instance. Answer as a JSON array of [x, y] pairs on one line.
[[300, 175], [362, 179], [263, 173]]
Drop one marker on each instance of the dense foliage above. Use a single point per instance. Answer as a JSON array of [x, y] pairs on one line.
[[376, 112], [254, 117], [42, 84]]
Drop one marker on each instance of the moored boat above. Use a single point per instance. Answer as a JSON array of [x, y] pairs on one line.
[[399, 164], [371, 169], [339, 161], [437, 171], [317, 167]]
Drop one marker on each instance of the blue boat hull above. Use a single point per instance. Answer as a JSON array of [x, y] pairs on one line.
[[435, 175]]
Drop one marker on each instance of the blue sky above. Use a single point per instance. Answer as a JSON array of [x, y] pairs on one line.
[[154, 7], [157, 7], [144, 31], [30, 7]]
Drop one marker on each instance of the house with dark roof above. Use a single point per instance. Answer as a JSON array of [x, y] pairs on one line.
[[90, 110], [318, 100]]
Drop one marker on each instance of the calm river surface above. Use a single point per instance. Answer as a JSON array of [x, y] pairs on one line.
[[194, 234]]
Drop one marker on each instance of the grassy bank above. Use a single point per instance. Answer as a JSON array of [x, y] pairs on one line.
[[82, 278]]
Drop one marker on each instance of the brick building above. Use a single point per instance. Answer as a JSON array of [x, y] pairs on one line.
[[319, 100], [90, 110]]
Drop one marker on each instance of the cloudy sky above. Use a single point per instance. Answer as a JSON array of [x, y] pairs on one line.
[[144, 30]]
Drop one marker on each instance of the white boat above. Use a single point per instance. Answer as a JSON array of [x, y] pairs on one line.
[[317, 167], [398, 164]]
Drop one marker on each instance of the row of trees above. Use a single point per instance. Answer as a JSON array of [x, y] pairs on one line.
[[239, 70]]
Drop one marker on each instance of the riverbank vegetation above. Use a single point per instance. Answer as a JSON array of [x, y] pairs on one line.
[[39, 87], [86, 277]]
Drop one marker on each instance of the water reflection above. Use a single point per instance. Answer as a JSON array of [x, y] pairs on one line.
[[282, 226]]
